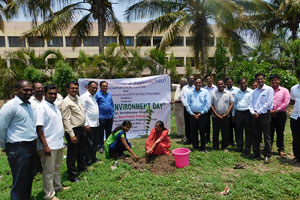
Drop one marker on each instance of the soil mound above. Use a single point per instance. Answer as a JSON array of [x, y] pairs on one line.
[[155, 164]]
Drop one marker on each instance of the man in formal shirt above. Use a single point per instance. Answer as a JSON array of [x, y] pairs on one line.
[[74, 119], [231, 88], [211, 89], [295, 119], [242, 116], [185, 91], [278, 113], [221, 106], [260, 106], [35, 100], [91, 126], [50, 130], [18, 138], [198, 104], [179, 108], [106, 112]]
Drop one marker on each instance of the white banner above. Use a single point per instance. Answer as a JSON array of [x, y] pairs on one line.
[[131, 97]]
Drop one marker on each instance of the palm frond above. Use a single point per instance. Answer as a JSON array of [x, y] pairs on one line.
[[81, 29], [58, 22]]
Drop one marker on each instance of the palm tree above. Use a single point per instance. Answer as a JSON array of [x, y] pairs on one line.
[[282, 14], [174, 17], [90, 10]]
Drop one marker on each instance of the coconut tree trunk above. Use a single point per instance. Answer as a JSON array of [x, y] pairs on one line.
[[101, 27], [203, 54], [294, 37]]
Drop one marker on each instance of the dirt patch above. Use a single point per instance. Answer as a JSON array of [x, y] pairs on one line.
[[155, 164]]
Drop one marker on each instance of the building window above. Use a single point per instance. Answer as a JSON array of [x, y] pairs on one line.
[[2, 41], [55, 42], [156, 41], [191, 61], [72, 61], [91, 41], [36, 42], [69, 42], [189, 41], [15, 41], [210, 42], [110, 40], [178, 42], [211, 61], [129, 41], [180, 61], [143, 41]]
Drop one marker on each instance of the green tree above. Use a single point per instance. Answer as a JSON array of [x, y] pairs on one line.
[[90, 10], [220, 60], [174, 17], [63, 74], [33, 75]]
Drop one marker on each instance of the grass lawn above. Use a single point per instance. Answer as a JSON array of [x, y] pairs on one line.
[[205, 178]]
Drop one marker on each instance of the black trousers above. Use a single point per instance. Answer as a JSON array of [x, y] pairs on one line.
[[187, 127], [75, 153], [220, 124], [278, 124], [21, 158], [207, 129], [243, 123], [196, 126], [262, 125], [92, 139], [230, 130], [105, 125], [295, 127]]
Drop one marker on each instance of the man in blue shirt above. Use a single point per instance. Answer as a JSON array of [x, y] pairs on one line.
[[198, 105], [106, 112], [18, 138], [242, 116], [260, 106]]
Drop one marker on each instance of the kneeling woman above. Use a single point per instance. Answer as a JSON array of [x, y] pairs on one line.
[[158, 142], [117, 141]]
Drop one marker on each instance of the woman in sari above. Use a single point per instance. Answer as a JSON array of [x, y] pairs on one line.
[[158, 142]]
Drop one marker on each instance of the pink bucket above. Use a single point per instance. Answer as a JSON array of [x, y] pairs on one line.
[[181, 156]]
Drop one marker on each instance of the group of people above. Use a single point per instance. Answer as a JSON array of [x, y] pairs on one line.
[[251, 113], [34, 123]]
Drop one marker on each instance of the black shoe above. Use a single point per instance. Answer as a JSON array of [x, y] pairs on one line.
[[89, 163], [96, 160], [246, 153], [187, 142], [255, 155], [74, 180]]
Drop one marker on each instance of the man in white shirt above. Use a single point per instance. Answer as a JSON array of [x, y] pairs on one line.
[[184, 93], [91, 126], [179, 108], [295, 119], [35, 100], [50, 131], [233, 90], [211, 89]]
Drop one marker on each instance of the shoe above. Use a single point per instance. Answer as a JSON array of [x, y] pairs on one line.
[[255, 155], [54, 198], [180, 136], [74, 180], [246, 153], [101, 150], [295, 160], [187, 142], [96, 160], [63, 189], [239, 150], [89, 163], [282, 154], [267, 160]]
